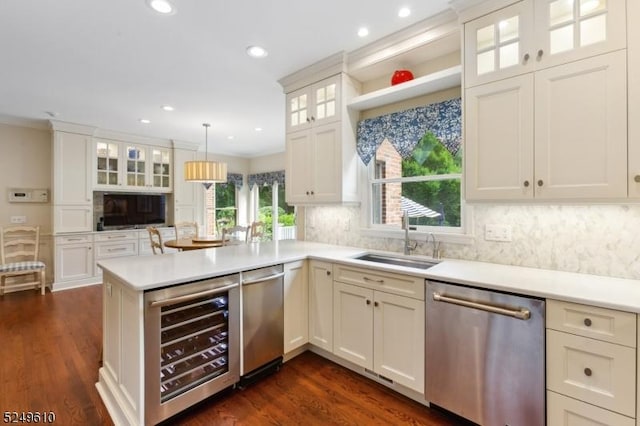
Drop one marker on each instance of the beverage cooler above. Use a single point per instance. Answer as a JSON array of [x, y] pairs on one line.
[[192, 344]]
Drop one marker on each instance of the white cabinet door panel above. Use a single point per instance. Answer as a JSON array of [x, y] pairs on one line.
[[353, 324]]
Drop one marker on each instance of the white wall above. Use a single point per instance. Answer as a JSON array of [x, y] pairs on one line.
[[593, 239], [267, 163], [25, 162]]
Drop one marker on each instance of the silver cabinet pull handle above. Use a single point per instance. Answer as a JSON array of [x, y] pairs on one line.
[[192, 296], [523, 314], [380, 281]]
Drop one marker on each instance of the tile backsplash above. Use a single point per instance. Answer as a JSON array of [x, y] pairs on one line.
[[592, 239]]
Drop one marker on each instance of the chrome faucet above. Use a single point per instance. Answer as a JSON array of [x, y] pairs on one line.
[[408, 244], [435, 248]]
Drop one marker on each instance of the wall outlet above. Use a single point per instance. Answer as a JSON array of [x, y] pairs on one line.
[[498, 233], [18, 219]]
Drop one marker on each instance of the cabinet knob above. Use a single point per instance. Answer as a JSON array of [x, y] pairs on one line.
[[587, 322], [636, 178], [375, 304], [368, 302], [540, 182], [526, 183], [588, 372], [540, 53], [525, 58], [328, 273], [313, 118], [308, 120], [307, 192], [311, 192]]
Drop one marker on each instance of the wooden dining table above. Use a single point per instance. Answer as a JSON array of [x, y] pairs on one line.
[[191, 243]]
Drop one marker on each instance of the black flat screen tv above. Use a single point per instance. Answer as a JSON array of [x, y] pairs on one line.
[[134, 209]]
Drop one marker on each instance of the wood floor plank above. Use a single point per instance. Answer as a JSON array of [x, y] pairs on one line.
[[49, 359]]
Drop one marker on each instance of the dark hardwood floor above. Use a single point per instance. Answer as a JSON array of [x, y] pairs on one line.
[[50, 349]]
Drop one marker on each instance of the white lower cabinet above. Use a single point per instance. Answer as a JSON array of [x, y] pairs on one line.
[[296, 305], [321, 305], [565, 411], [379, 331], [73, 257], [590, 380]]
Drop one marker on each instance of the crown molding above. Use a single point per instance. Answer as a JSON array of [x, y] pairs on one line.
[[10, 120], [320, 70], [63, 126], [471, 9]]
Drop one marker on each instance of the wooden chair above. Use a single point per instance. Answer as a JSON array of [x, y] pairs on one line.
[[156, 239], [19, 254], [256, 233], [186, 230], [233, 235]]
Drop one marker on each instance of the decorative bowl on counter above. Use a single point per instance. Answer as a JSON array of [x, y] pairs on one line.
[[401, 76]]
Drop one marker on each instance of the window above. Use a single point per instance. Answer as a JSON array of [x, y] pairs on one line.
[[221, 207], [268, 194], [415, 165], [427, 185]]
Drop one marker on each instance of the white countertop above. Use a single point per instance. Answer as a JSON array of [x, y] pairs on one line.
[[150, 272]]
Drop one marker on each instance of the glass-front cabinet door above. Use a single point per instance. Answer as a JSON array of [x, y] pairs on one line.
[[568, 30], [161, 168], [107, 163], [499, 45], [136, 157]]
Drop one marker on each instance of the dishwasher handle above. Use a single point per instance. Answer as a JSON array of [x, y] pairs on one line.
[[522, 314], [187, 297], [263, 279]]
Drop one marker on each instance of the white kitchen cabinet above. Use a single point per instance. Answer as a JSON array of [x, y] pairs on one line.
[[114, 244], [532, 35], [73, 258], [321, 161], [296, 305], [379, 330], [184, 193], [321, 305], [579, 147], [72, 197], [315, 104], [591, 365], [633, 75], [313, 164], [131, 166]]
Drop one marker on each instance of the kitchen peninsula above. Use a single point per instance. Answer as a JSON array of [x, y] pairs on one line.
[[122, 382]]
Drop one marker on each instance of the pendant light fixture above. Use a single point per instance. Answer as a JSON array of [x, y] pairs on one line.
[[205, 171]]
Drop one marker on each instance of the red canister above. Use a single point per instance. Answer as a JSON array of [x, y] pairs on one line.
[[400, 76]]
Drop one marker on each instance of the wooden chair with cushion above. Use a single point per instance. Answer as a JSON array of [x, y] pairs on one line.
[[186, 230], [235, 235], [19, 254], [256, 233], [156, 240]]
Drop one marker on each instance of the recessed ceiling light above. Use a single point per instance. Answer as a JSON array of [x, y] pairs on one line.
[[258, 129], [363, 32], [404, 12], [168, 108], [164, 7], [257, 52], [230, 138], [144, 121]]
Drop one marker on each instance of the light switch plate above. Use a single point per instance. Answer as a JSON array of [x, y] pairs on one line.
[[502, 233], [18, 219]]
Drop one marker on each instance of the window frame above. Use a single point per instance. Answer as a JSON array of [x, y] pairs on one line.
[[215, 208]]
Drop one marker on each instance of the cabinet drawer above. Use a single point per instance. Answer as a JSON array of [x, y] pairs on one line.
[[74, 239], [600, 373], [565, 411], [598, 323], [116, 236], [404, 285], [116, 249]]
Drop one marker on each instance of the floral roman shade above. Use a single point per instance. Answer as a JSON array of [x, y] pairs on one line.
[[406, 128], [268, 178], [235, 178]]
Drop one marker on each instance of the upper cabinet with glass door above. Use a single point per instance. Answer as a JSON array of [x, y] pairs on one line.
[[318, 103], [530, 35], [132, 167]]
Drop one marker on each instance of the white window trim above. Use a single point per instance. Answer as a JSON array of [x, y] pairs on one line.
[[461, 235]]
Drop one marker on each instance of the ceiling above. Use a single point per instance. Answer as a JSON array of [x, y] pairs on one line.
[[109, 64]]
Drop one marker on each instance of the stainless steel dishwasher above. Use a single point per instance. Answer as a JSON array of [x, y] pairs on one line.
[[262, 322], [485, 355]]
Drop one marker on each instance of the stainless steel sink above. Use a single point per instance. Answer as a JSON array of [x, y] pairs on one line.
[[398, 261]]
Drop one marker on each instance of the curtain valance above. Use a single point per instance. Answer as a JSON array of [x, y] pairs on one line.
[[235, 178], [406, 128], [268, 178]]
